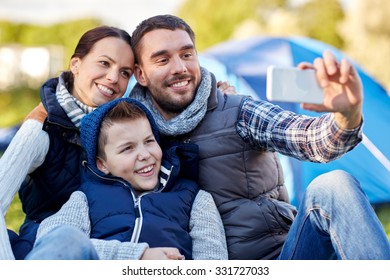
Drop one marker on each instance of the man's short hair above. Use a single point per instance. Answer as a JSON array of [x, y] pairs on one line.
[[169, 22]]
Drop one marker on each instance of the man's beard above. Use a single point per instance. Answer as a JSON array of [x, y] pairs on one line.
[[169, 105]]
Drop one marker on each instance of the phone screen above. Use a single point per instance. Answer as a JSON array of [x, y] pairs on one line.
[[288, 84]]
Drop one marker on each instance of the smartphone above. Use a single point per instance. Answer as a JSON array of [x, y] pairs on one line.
[[289, 84]]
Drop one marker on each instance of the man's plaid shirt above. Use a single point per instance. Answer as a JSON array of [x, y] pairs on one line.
[[266, 126]]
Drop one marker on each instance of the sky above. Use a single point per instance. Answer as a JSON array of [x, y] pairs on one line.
[[125, 14]]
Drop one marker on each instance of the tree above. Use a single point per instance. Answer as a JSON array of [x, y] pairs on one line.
[[319, 21], [69, 33], [65, 34], [366, 30], [214, 21], [7, 32]]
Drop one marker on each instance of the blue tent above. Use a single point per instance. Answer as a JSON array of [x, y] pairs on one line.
[[249, 59], [6, 135]]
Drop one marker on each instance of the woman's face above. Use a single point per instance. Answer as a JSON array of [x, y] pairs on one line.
[[103, 74]]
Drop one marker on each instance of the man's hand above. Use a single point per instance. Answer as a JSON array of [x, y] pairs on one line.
[[343, 93]]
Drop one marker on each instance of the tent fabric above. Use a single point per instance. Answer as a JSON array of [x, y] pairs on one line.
[[368, 162], [6, 135]]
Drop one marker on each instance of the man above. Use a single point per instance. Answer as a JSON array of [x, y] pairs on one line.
[[238, 138]]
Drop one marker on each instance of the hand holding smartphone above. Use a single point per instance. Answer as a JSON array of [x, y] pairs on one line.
[[289, 84]]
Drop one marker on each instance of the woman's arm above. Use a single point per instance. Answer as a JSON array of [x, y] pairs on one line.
[[25, 153], [206, 229]]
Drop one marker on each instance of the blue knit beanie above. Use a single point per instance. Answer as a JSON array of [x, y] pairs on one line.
[[90, 126]]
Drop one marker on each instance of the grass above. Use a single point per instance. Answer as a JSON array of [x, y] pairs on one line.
[[15, 104], [383, 213], [14, 216]]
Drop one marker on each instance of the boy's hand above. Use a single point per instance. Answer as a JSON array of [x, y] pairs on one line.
[[162, 253]]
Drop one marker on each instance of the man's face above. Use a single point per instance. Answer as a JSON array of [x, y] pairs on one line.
[[169, 67]]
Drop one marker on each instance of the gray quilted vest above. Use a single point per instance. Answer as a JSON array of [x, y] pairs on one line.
[[246, 184]]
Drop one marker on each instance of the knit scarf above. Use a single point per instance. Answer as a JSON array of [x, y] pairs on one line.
[[74, 108], [187, 120]]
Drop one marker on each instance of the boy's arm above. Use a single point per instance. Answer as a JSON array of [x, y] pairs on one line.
[[206, 229], [75, 212], [116, 250]]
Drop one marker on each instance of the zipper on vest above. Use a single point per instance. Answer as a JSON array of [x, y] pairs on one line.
[[138, 221], [137, 199], [137, 204], [85, 164], [219, 133]]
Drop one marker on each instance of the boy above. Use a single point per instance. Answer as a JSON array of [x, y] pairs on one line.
[[130, 209]]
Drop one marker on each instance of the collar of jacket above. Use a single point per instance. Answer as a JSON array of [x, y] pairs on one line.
[[55, 112], [212, 102]]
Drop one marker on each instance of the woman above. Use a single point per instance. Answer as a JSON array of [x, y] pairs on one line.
[[43, 160]]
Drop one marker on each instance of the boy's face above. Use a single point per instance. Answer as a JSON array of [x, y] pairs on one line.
[[132, 153]]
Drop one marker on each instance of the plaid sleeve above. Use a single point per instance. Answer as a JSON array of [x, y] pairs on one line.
[[267, 126]]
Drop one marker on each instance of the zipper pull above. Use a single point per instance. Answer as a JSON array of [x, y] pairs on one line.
[[136, 207]]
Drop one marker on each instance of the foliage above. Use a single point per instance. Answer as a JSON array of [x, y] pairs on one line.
[[15, 215], [8, 32], [383, 212], [65, 34], [70, 33], [16, 104], [366, 30], [320, 21], [215, 21]]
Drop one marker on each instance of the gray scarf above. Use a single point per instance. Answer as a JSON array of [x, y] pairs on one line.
[[187, 120], [74, 108]]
